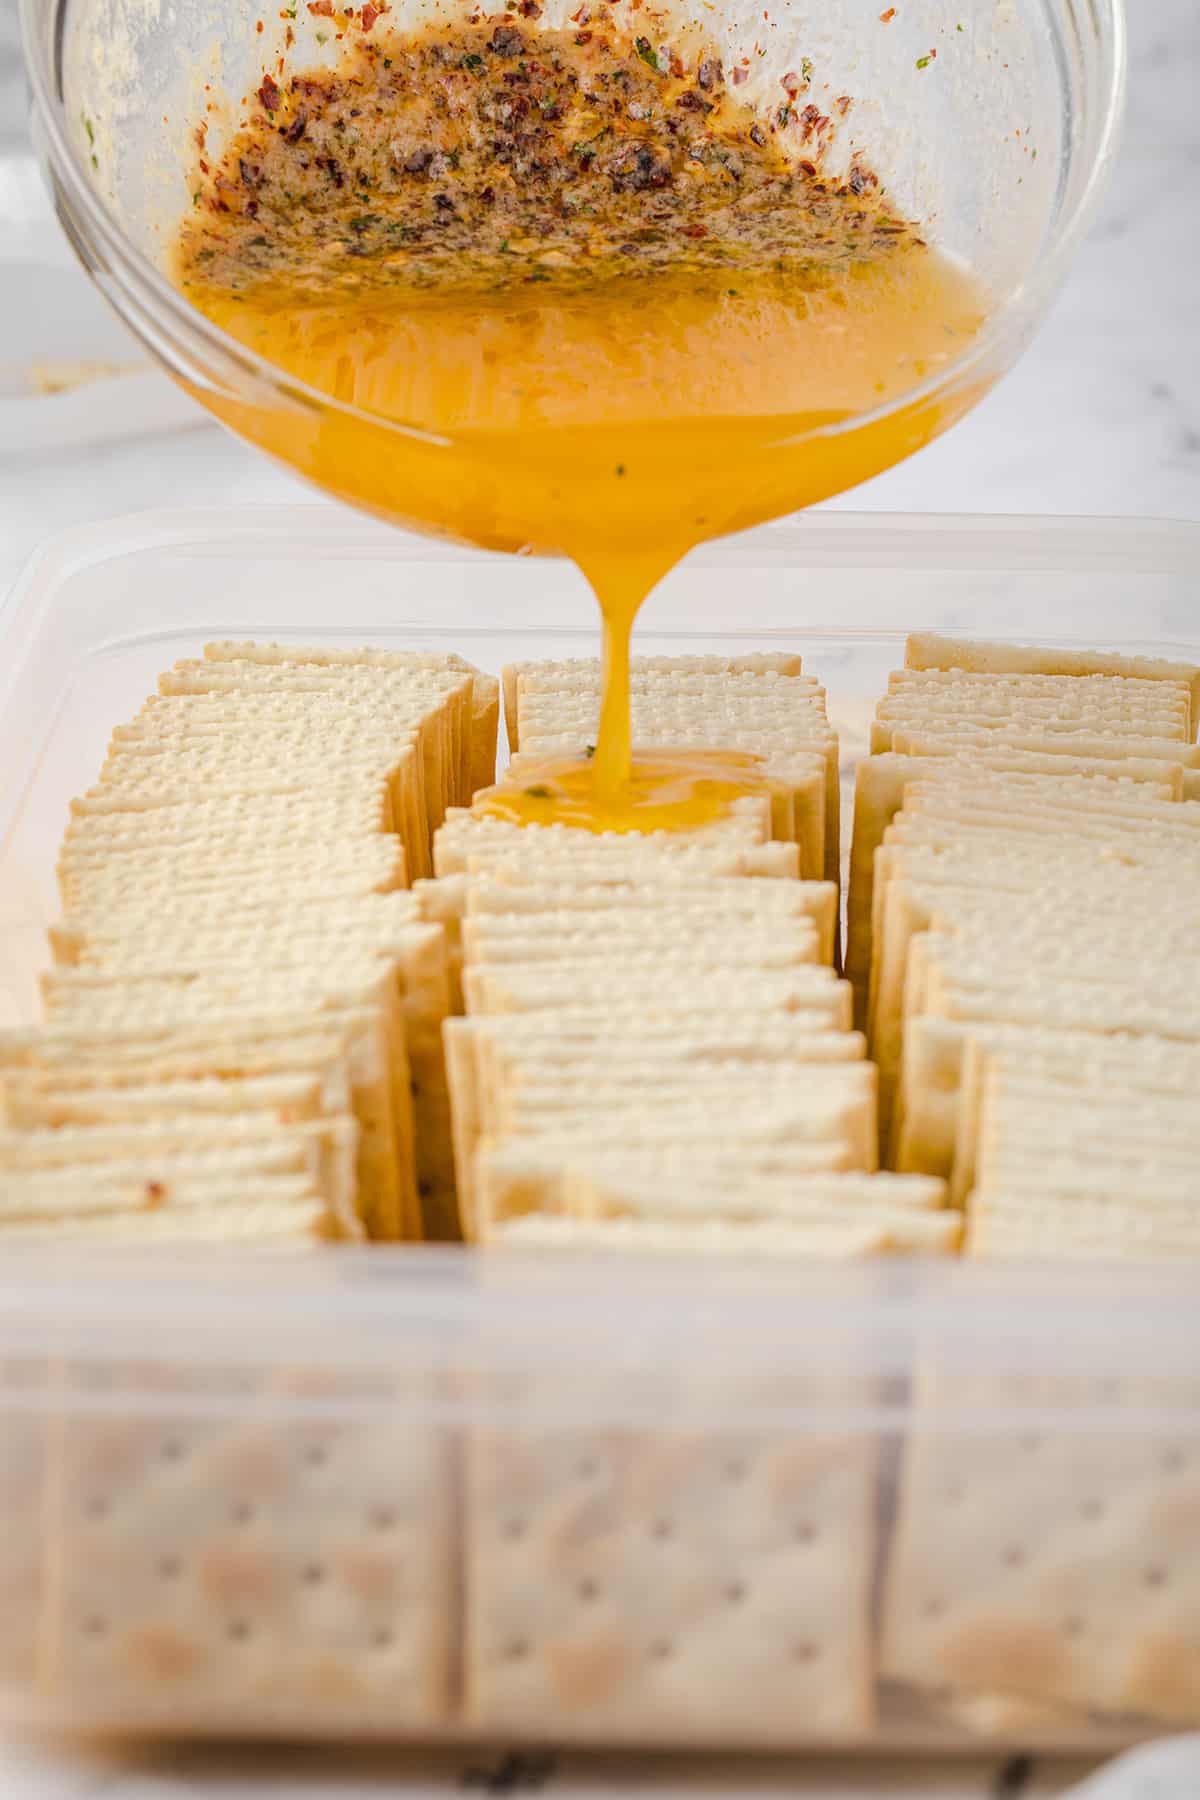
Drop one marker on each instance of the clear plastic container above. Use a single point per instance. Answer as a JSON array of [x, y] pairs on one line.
[[418, 1494]]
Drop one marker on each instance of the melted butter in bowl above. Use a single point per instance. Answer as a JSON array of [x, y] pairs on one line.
[[613, 309]]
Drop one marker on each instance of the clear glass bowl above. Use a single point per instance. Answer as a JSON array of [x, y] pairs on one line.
[[998, 144]]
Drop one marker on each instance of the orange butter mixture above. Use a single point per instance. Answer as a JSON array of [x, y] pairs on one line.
[[612, 309]]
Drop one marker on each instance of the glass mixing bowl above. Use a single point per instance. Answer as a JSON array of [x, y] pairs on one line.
[[992, 122]]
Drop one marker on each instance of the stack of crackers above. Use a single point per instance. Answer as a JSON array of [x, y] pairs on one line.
[[763, 705], [657, 1051], [1022, 941], [243, 1023]]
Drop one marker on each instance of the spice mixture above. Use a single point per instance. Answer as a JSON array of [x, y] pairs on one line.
[[498, 154]]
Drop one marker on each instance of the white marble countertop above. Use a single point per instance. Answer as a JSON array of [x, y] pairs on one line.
[[1101, 417]]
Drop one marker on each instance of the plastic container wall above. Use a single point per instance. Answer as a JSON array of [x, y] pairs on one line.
[[410, 1495]]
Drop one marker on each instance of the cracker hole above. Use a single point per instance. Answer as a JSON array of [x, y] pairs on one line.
[[312, 1574], [934, 1607], [735, 1469], [172, 1449], [1030, 1441], [805, 1532], [804, 1652], [1155, 1576], [96, 1507], [316, 1456], [516, 1650], [238, 1630], [514, 1530], [1091, 1509], [735, 1593], [1073, 1626], [170, 1567], [1014, 1557], [383, 1518], [95, 1627], [1173, 1461], [661, 1650], [586, 1468], [241, 1512], [382, 1639], [588, 1589], [954, 1493], [662, 1529]]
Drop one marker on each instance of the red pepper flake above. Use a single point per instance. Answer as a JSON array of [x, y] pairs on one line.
[[843, 104], [368, 16], [259, 28], [738, 76], [156, 1193], [583, 37], [268, 94], [790, 83], [885, 18]]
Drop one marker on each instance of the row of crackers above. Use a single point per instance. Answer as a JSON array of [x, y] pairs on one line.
[[656, 1050], [1023, 937], [242, 1034]]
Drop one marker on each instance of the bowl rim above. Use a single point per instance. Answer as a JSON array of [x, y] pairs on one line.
[[87, 220]]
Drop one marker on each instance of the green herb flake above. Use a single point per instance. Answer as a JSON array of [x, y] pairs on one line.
[[647, 53], [473, 62], [87, 126], [539, 793], [806, 69], [923, 62], [620, 468], [322, 37], [589, 750], [95, 162]]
